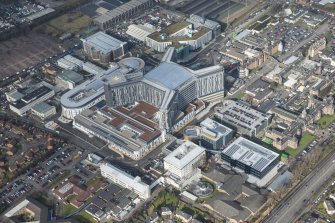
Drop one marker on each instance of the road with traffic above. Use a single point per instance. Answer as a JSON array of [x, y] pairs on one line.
[[289, 209]]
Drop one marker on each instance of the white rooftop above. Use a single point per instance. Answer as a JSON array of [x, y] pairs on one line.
[[184, 154], [103, 42], [215, 128], [250, 153]]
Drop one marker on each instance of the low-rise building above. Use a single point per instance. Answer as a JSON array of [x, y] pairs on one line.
[[259, 91], [125, 180], [329, 205], [68, 79], [183, 216], [214, 135], [43, 110], [23, 105]]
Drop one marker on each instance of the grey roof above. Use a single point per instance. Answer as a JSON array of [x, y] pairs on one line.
[[170, 75], [103, 42], [281, 180], [69, 75], [230, 209], [42, 107], [250, 153], [253, 202]]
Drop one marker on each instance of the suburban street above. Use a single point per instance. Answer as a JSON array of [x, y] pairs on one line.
[[289, 208]]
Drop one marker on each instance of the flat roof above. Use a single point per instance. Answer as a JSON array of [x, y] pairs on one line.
[[215, 129], [37, 93], [42, 107], [129, 127], [70, 75], [170, 75], [94, 88], [242, 116], [184, 154], [250, 154], [104, 42]]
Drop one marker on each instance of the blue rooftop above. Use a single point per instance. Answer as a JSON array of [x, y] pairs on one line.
[[170, 75]]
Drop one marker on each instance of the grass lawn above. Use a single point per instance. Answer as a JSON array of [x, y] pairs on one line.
[[68, 23], [326, 120], [84, 217], [305, 140], [268, 141], [240, 95], [69, 209]]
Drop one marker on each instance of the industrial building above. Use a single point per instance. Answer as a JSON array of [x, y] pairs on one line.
[[181, 165], [181, 33], [23, 105], [103, 48], [132, 131], [122, 12], [250, 157], [214, 135], [68, 79], [125, 180], [91, 92], [43, 110], [242, 118]]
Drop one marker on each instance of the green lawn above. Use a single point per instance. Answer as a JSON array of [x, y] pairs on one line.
[[240, 95], [305, 140], [268, 141], [69, 209], [326, 120], [84, 217]]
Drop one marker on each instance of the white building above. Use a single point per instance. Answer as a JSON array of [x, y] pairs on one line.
[[125, 180], [70, 63], [140, 32], [182, 164], [179, 33], [43, 110]]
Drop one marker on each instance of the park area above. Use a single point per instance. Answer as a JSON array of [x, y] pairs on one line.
[[326, 120], [305, 140], [69, 23]]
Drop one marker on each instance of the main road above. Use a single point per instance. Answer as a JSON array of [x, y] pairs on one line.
[[288, 210]]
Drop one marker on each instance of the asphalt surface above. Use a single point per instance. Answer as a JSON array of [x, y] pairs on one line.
[[291, 206]]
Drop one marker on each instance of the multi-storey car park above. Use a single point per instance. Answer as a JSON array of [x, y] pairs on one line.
[[241, 117]]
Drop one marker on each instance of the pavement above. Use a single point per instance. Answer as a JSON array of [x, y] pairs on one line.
[[290, 208]]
